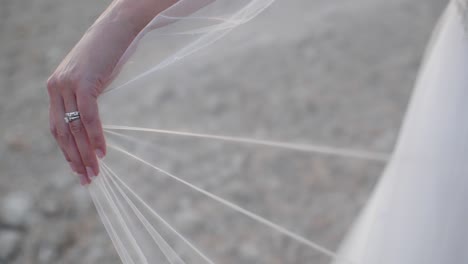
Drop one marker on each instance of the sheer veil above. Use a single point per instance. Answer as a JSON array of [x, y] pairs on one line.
[[414, 215]]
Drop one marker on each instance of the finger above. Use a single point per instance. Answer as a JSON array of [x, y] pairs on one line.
[[88, 156], [53, 131], [72, 151], [89, 113], [64, 138]]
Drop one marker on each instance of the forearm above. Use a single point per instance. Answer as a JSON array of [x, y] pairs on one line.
[[133, 15], [108, 38], [124, 19]]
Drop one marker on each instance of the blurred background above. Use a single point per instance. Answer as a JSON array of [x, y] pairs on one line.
[[326, 72]]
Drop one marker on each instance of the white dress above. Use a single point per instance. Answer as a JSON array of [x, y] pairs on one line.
[[419, 211]]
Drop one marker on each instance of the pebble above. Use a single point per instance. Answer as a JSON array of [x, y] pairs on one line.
[[14, 209], [10, 241]]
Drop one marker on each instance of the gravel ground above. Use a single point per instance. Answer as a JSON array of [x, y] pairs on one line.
[[325, 72]]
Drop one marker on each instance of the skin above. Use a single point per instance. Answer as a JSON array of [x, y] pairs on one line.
[[82, 76]]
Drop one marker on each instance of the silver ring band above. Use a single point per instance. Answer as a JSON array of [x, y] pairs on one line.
[[71, 116]]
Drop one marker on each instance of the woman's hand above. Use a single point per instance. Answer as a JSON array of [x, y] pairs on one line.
[[84, 73], [80, 79]]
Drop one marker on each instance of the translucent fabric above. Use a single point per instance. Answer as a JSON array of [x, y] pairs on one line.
[[418, 211], [169, 196], [177, 32]]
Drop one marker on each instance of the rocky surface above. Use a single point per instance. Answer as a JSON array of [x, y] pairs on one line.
[[10, 241], [319, 71]]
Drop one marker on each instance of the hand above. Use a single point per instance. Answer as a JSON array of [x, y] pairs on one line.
[[75, 86], [83, 75]]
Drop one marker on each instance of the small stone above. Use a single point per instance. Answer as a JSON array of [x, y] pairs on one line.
[[14, 209], [10, 241]]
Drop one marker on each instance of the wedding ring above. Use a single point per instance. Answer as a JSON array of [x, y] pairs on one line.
[[71, 116]]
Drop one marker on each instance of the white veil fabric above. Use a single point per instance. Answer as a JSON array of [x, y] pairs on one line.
[[415, 214], [418, 211], [179, 31]]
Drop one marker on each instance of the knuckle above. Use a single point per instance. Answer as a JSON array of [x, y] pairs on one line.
[[70, 76], [65, 88], [51, 84], [73, 82], [51, 81], [64, 81], [76, 127]]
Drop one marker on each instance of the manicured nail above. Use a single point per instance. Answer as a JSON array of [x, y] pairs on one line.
[[100, 153], [90, 172], [83, 180]]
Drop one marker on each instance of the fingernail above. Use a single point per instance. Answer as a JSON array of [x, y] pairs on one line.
[[83, 180], [90, 172], [100, 153]]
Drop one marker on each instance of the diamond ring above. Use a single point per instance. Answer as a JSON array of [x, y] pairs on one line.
[[71, 116]]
